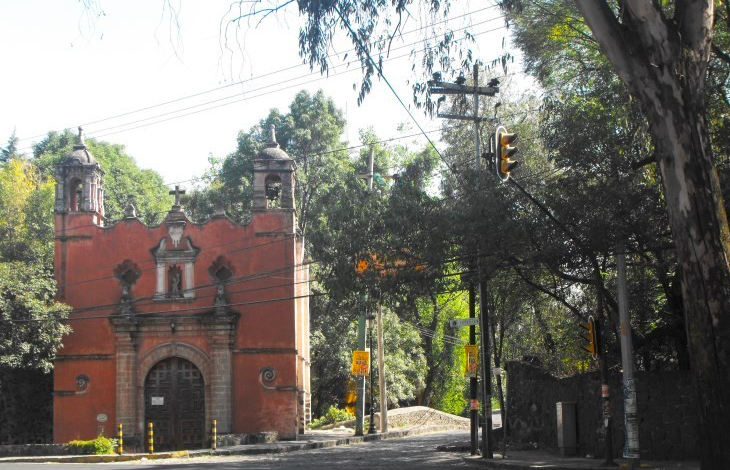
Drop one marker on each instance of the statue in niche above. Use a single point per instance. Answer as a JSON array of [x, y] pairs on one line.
[[221, 272], [127, 274], [175, 281]]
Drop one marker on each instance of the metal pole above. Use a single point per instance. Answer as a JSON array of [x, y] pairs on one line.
[[631, 411], [360, 408], [473, 402], [486, 370], [151, 437], [477, 144], [371, 428], [214, 441], [371, 165], [120, 439], [381, 372], [607, 428]]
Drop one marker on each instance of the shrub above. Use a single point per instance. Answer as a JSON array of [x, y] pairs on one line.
[[333, 415], [99, 446]]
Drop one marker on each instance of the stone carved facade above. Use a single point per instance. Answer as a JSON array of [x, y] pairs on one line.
[[176, 302]]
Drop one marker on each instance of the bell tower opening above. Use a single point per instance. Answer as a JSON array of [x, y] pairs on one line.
[[75, 194], [273, 191]]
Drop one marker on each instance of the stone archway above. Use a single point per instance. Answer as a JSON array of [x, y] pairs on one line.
[[174, 398], [171, 350]]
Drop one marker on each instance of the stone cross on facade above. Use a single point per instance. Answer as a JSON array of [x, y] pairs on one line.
[[177, 192]]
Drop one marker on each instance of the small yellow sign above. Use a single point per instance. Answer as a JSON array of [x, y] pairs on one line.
[[361, 363], [472, 360]]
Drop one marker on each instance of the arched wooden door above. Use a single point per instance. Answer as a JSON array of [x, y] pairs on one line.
[[174, 400]]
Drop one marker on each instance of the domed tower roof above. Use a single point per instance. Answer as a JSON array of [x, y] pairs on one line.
[[80, 154], [272, 150]]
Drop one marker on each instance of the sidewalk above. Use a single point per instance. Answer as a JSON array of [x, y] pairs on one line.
[[310, 440], [528, 459]]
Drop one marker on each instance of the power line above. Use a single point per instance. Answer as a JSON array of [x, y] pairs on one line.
[[194, 95]]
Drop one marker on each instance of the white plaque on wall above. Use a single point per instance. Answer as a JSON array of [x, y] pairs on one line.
[[158, 401]]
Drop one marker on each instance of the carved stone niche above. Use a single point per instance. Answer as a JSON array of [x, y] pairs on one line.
[[221, 272], [175, 257], [127, 274]]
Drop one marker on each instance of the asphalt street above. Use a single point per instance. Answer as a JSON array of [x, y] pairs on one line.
[[408, 453]]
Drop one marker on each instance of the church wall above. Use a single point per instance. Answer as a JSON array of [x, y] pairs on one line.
[[88, 282], [265, 404], [83, 410]]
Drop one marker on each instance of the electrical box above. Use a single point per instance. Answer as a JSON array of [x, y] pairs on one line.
[[567, 436]]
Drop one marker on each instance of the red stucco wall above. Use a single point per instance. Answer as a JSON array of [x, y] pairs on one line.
[[267, 332]]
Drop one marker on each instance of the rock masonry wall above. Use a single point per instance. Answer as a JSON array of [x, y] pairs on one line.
[[26, 407], [667, 409]]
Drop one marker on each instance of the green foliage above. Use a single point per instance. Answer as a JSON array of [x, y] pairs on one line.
[[99, 446], [333, 415], [26, 213], [31, 324], [10, 151]]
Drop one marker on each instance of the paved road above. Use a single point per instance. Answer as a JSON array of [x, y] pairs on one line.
[[403, 454]]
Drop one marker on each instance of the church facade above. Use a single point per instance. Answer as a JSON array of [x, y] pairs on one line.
[[182, 323]]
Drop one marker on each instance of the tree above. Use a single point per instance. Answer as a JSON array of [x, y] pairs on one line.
[[31, 322], [662, 52], [10, 151]]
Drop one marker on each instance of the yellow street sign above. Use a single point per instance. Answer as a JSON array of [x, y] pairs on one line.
[[472, 360], [361, 363]]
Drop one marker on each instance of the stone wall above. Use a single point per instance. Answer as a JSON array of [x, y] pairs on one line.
[[26, 407], [667, 409]]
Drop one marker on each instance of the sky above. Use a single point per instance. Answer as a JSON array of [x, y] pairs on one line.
[[112, 66]]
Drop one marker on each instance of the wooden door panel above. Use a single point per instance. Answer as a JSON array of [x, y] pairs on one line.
[[175, 403]]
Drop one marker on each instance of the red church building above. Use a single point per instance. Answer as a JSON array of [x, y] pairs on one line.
[[181, 323]]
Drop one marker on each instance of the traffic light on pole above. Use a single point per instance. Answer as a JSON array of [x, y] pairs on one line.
[[591, 337], [504, 152]]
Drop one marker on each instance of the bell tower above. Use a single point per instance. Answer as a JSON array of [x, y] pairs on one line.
[[273, 178], [80, 183]]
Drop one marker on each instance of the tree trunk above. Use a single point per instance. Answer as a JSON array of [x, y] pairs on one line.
[[663, 63]]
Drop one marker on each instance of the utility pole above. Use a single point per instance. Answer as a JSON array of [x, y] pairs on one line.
[[360, 408], [361, 328], [487, 450], [437, 86], [605, 394], [473, 402], [631, 410], [371, 428], [381, 372]]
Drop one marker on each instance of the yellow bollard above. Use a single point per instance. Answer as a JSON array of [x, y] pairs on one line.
[[151, 436], [120, 439], [214, 443]]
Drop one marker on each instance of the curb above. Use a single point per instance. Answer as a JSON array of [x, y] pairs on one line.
[[97, 458], [252, 449], [506, 464]]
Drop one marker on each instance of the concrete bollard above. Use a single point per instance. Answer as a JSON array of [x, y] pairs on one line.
[[120, 439], [151, 437], [214, 441]]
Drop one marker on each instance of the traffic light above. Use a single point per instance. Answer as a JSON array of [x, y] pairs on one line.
[[592, 337], [504, 152]]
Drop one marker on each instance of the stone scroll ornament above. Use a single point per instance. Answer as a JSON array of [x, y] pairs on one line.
[[268, 374], [127, 274]]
